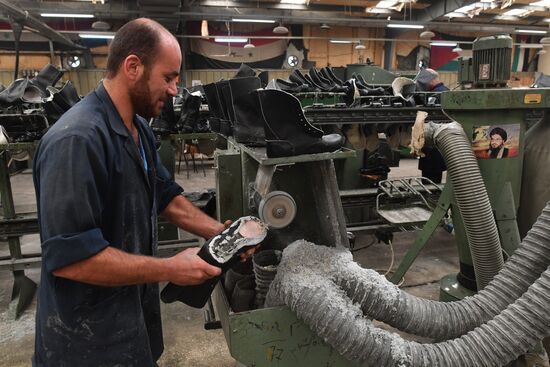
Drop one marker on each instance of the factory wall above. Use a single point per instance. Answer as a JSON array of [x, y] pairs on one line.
[[324, 53]]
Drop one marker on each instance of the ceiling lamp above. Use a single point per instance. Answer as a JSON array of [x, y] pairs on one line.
[[457, 49], [531, 31], [545, 40], [360, 46], [443, 43], [231, 40], [427, 35], [280, 29], [405, 26], [101, 25], [249, 45], [66, 15], [325, 26], [342, 42], [242, 20]]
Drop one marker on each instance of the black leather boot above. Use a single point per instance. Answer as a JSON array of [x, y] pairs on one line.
[[222, 251], [245, 71], [264, 78], [248, 126], [214, 106], [48, 76], [226, 125], [189, 117], [165, 123], [287, 130], [67, 96]]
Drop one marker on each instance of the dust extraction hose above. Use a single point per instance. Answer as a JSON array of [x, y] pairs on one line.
[[471, 197], [441, 320], [305, 282]]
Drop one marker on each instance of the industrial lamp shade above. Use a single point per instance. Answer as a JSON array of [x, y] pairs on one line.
[[545, 40], [101, 25], [457, 49], [249, 45], [325, 26], [360, 46], [427, 35], [280, 29]]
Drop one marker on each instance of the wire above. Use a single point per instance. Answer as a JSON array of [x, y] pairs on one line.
[[392, 258], [372, 242]]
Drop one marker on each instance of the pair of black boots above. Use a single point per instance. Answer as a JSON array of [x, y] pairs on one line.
[[222, 98], [31, 91], [188, 121]]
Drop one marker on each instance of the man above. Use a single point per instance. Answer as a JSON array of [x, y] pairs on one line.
[[99, 185], [427, 80], [432, 165], [498, 137]]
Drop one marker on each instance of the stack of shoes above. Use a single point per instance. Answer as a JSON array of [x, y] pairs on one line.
[[188, 121], [367, 90], [165, 123], [287, 130]]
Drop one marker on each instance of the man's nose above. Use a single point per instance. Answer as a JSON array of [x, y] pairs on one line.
[[172, 89]]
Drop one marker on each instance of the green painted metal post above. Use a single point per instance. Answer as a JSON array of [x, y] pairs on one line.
[[23, 287]]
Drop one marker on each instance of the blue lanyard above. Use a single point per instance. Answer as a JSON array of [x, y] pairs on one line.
[[142, 152]]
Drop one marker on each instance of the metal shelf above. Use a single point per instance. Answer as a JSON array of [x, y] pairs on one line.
[[260, 156]]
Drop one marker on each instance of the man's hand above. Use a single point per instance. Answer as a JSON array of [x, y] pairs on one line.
[[189, 269]]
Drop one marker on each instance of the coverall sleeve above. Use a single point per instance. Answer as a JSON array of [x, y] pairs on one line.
[[166, 188], [71, 174]]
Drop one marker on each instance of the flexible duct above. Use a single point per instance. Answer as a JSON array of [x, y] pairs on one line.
[[471, 197], [385, 302], [305, 282]]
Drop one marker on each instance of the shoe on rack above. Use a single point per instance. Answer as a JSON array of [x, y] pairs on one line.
[[189, 116], [67, 96], [222, 251], [287, 130], [224, 91], [245, 71], [248, 126], [48, 76]]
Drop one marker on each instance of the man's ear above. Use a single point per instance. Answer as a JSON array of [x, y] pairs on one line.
[[132, 67]]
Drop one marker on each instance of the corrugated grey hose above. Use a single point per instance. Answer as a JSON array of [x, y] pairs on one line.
[[304, 283], [471, 197]]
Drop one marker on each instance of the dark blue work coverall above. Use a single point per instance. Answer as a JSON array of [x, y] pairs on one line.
[[93, 191]]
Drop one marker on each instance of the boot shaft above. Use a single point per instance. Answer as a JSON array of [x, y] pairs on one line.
[[248, 126]]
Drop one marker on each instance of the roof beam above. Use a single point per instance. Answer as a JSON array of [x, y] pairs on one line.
[[439, 8]]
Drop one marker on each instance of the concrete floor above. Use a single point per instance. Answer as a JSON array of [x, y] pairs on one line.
[[186, 341]]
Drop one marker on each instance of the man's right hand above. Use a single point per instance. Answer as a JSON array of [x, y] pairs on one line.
[[187, 268]]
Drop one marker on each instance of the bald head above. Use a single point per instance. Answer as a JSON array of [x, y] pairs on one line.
[[142, 37]]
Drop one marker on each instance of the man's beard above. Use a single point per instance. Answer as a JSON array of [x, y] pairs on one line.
[[140, 96]]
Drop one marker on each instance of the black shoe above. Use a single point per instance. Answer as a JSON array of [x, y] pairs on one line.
[[226, 125], [287, 86], [165, 123], [330, 74], [67, 96], [248, 126], [245, 71], [287, 130], [48, 76], [264, 78], [222, 251], [189, 117]]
